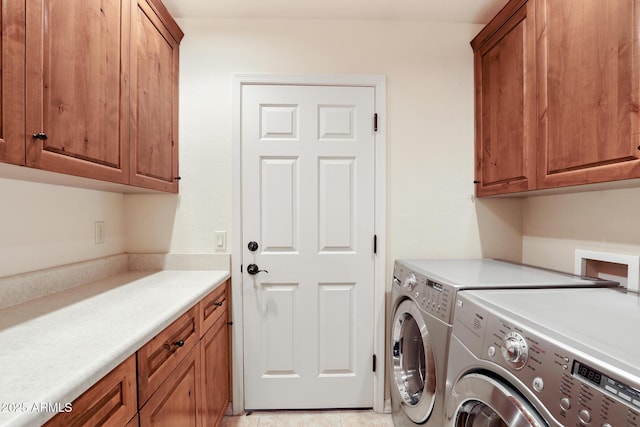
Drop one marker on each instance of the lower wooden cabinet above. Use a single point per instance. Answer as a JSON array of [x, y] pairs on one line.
[[159, 357], [213, 307], [109, 403], [179, 378], [214, 348], [196, 392], [177, 400], [135, 422]]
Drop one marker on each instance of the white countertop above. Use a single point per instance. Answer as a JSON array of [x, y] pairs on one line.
[[55, 348]]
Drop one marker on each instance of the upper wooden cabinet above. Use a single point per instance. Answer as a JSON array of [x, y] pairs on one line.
[[77, 87], [154, 82], [12, 86], [588, 91], [557, 95], [504, 64], [100, 96]]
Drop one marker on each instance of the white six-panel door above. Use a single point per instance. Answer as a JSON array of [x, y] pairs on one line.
[[308, 202]]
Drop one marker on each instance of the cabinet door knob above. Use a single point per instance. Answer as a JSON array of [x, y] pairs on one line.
[[179, 343], [40, 135]]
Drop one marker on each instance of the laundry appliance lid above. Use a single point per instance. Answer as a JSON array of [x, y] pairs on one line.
[[490, 273]]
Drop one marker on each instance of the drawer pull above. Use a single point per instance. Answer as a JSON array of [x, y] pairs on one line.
[[179, 343], [219, 304], [40, 135]]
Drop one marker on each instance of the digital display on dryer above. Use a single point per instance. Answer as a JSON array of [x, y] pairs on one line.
[[583, 371], [628, 395], [435, 285]]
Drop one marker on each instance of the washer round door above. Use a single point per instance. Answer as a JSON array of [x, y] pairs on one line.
[[414, 373], [478, 400]]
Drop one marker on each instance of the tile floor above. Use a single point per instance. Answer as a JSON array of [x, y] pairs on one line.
[[353, 418]]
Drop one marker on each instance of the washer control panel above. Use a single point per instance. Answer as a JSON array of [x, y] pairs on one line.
[[577, 389], [515, 350], [409, 282], [431, 296]]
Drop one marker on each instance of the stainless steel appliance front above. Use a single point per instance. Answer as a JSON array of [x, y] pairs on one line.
[[561, 357], [422, 305]]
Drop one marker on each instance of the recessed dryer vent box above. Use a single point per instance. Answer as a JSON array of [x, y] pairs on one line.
[[605, 265]]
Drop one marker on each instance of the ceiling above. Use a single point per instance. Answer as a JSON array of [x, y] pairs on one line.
[[446, 11]]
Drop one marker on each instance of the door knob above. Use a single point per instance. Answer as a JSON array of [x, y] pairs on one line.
[[253, 246], [254, 269]]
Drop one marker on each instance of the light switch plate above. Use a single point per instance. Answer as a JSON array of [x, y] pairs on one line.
[[99, 233], [221, 240]]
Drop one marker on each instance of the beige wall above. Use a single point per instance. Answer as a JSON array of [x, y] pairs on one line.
[[554, 226], [429, 70], [431, 211], [47, 225]]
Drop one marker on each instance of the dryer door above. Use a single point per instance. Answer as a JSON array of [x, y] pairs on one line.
[[414, 376], [481, 401]]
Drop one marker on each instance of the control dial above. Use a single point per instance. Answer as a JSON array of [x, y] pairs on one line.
[[515, 350], [410, 282]]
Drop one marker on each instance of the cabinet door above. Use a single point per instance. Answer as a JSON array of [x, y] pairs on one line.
[[504, 68], [12, 57], [135, 421], [110, 402], [77, 87], [154, 83], [588, 84], [177, 401], [215, 372]]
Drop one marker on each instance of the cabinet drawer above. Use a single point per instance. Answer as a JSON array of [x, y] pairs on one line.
[[212, 307], [160, 356], [110, 402]]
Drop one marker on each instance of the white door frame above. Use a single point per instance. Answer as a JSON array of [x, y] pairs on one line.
[[379, 84]]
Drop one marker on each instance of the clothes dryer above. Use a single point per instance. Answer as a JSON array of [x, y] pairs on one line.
[[552, 358], [423, 297]]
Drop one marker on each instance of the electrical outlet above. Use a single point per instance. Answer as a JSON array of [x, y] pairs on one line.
[[99, 233]]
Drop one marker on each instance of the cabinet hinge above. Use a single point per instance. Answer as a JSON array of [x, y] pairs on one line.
[[241, 269], [375, 359], [375, 122], [375, 243]]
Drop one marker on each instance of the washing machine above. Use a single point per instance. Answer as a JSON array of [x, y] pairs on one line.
[[533, 358], [423, 296]]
